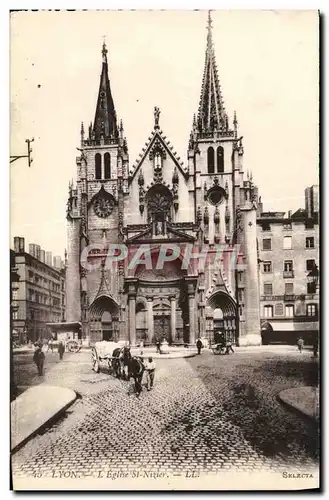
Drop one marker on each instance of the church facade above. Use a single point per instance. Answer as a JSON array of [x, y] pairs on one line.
[[163, 248]]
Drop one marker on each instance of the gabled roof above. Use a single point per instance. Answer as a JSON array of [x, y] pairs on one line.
[[158, 134], [146, 235]]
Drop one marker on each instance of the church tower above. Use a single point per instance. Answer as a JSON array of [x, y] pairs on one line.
[[226, 206], [202, 212], [93, 291]]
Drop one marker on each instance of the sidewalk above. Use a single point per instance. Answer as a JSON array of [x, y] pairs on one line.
[[23, 350], [304, 400], [36, 407]]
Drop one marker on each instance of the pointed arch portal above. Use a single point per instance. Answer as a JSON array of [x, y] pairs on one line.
[[221, 317], [104, 319]]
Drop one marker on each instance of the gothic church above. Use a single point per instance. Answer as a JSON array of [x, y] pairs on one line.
[[205, 203]]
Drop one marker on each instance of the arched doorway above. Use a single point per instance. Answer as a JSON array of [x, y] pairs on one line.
[[266, 333], [221, 317], [104, 319]]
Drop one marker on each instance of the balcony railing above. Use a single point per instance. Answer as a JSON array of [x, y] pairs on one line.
[[288, 274], [289, 297]]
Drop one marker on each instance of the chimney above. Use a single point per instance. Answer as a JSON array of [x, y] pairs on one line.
[[22, 245], [289, 214], [42, 255], [16, 244], [49, 258], [32, 249]]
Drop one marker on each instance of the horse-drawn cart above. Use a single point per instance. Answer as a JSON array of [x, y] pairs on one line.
[[108, 353], [218, 349]]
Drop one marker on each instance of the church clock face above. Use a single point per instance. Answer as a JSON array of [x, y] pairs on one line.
[[103, 207]]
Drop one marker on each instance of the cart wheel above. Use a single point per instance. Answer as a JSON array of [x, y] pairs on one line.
[[94, 360], [73, 346]]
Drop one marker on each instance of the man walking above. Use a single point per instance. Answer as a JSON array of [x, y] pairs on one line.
[[61, 350], [300, 343], [39, 359], [316, 347], [150, 370], [229, 347], [199, 345]]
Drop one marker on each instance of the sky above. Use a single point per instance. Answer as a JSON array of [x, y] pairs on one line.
[[268, 69]]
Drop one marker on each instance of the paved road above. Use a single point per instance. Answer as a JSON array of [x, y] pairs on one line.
[[206, 414]]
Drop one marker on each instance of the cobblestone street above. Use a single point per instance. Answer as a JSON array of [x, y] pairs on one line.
[[205, 414]]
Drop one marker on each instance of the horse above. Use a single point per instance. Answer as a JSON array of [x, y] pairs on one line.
[[135, 370], [121, 357]]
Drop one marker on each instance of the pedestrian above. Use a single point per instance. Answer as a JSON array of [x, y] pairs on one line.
[[316, 348], [141, 346], [150, 370], [39, 359], [300, 343], [199, 345], [229, 347], [61, 350], [158, 346], [50, 345]]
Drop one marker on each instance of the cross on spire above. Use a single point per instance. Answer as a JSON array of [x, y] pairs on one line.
[[209, 28]]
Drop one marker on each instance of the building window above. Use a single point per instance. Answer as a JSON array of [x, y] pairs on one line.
[[289, 311], [157, 160], [310, 242], [288, 288], [310, 264], [98, 166], [287, 242], [287, 227], [211, 160], [107, 166], [278, 309], [267, 267], [311, 287], [266, 227], [268, 311], [268, 289], [267, 244], [311, 310], [288, 266], [309, 224], [15, 315], [220, 159], [15, 294]]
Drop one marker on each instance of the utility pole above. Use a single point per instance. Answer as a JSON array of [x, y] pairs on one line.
[[13, 386], [28, 156]]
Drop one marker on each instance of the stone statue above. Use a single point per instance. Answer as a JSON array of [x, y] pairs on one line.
[[156, 116], [158, 226]]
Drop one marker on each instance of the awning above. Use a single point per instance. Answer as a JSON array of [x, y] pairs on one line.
[[281, 326], [66, 326]]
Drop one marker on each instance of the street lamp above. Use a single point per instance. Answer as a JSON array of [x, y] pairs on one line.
[[28, 156]]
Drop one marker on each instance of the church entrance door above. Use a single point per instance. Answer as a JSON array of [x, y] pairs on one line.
[[162, 328]]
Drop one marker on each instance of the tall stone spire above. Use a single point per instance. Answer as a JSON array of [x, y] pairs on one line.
[[211, 114], [105, 124]]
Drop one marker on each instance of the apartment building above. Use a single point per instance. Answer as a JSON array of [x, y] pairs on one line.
[[39, 295], [289, 274]]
